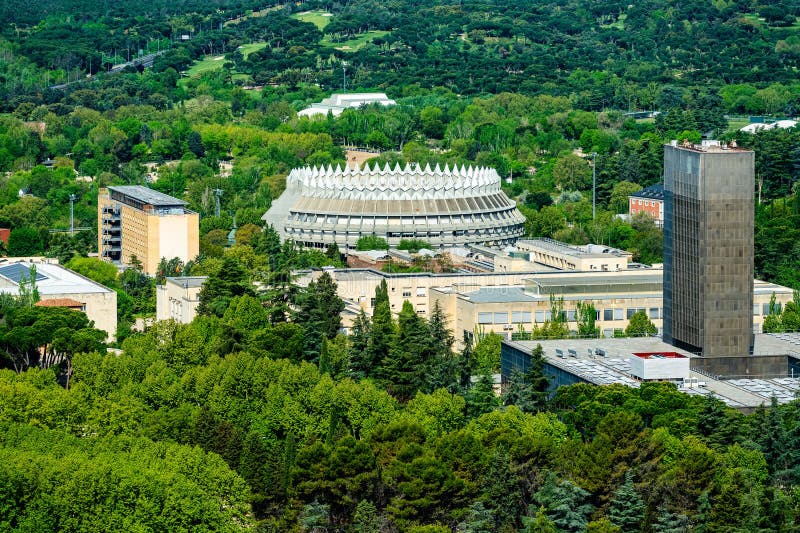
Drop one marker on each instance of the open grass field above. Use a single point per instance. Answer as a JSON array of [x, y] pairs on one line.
[[354, 44], [215, 62], [760, 23], [248, 49], [208, 63], [319, 19]]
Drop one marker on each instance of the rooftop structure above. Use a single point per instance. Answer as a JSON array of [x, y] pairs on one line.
[[444, 207], [708, 248], [61, 287], [134, 221], [337, 103], [141, 197]]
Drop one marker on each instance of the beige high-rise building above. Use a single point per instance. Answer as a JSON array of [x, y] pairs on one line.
[[134, 221]]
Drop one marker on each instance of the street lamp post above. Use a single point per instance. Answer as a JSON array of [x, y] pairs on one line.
[[594, 185], [72, 199]]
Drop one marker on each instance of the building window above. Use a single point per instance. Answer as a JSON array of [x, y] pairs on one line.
[[484, 318], [618, 314], [420, 291], [755, 309], [521, 317], [654, 313], [608, 314], [501, 318], [407, 293]]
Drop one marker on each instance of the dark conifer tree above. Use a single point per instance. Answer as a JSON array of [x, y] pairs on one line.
[[403, 368], [481, 398], [627, 507], [383, 332], [360, 334]]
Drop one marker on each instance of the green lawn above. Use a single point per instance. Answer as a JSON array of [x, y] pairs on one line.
[[248, 49], [618, 24], [734, 125], [761, 23], [320, 19], [354, 44], [206, 64]]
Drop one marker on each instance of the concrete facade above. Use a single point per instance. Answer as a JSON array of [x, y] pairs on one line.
[[510, 302], [708, 248], [445, 207], [591, 257], [135, 221], [178, 298]]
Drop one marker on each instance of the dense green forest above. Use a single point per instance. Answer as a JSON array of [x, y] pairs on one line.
[[259, 415]]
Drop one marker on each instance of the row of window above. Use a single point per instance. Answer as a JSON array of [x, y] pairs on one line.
[[525, 317], [313, 218], [647, 203]]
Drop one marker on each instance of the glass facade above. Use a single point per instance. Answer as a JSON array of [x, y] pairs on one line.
[[708, 249]]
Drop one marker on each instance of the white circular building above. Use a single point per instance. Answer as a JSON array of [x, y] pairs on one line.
[[444, 207]]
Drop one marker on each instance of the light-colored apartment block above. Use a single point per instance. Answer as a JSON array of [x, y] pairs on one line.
[[178, 298], [134, 221]]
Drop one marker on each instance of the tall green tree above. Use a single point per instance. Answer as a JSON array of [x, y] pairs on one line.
[[403, 368], [382, 334], [360, 334], [530, 390], [218, 290]]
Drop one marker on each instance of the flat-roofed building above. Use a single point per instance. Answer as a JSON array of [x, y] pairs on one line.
[[178, 298], [510, 302], [134, 221], [772, 371], [335, 104], [563, 256], [61, 287]]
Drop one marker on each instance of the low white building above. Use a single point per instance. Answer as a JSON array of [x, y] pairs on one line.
[[61, 287], [337, 103], [178, 298]]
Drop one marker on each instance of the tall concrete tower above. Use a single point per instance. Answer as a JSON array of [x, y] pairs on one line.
[[708, 248]]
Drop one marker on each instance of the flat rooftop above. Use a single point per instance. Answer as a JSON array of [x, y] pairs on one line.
[[188, 282], [587, 251], [147, 196], [709, 146], [50, 279], [614, 366], [499, 295]]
